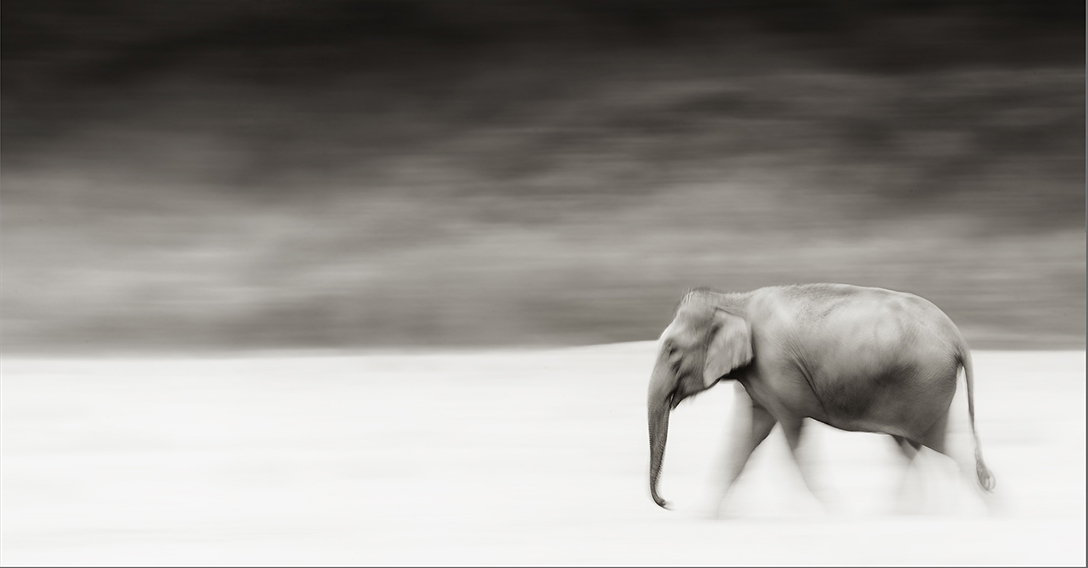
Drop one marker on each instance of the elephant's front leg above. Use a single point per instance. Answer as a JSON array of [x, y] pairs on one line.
[[793, 428], [751, 425]]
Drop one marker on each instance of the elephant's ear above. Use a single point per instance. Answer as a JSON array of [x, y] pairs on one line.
[[730, 346]]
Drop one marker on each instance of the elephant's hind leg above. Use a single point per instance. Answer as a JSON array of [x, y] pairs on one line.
[[937, 439], [909, 450]]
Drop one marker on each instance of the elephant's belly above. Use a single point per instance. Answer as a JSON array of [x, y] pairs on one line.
[[904, 400], [899, 401], [903, 412], [867, 425]]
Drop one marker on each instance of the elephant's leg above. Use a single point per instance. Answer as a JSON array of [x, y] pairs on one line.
[[909, 450], [751, 425], [793, 429], [759, 427], [937, 439]]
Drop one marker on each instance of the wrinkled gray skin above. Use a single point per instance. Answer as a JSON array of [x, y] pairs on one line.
[[858, 359]]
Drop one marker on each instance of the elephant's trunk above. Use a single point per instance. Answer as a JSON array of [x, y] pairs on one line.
[[658, 408]]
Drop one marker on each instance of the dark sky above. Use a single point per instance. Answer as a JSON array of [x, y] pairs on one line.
[[62, 59], [276, 174]]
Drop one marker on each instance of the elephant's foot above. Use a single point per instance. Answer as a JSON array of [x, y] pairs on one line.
[[717, 509]]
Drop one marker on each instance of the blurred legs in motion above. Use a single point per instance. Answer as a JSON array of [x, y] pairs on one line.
[[919, 501], [909, 449], [751, 425], [793, 430], [937, 439]]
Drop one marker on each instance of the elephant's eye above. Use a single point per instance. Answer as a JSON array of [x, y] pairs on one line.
[[671, 352]]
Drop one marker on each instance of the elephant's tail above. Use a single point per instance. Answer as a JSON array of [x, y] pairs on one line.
[[985, 477]]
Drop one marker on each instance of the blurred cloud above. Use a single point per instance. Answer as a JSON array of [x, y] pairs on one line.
[[283, 174]]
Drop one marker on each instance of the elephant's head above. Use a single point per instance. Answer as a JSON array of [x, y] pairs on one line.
[[704, 342]]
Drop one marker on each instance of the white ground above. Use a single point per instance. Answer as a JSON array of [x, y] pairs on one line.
[[520, 457]]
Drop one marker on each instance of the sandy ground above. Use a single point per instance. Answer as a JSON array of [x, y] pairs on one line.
[[500, 457]]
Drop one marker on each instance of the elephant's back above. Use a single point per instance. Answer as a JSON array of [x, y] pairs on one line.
[[864, 315]]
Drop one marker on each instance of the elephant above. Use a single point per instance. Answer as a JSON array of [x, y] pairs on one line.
[[856, 358]]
